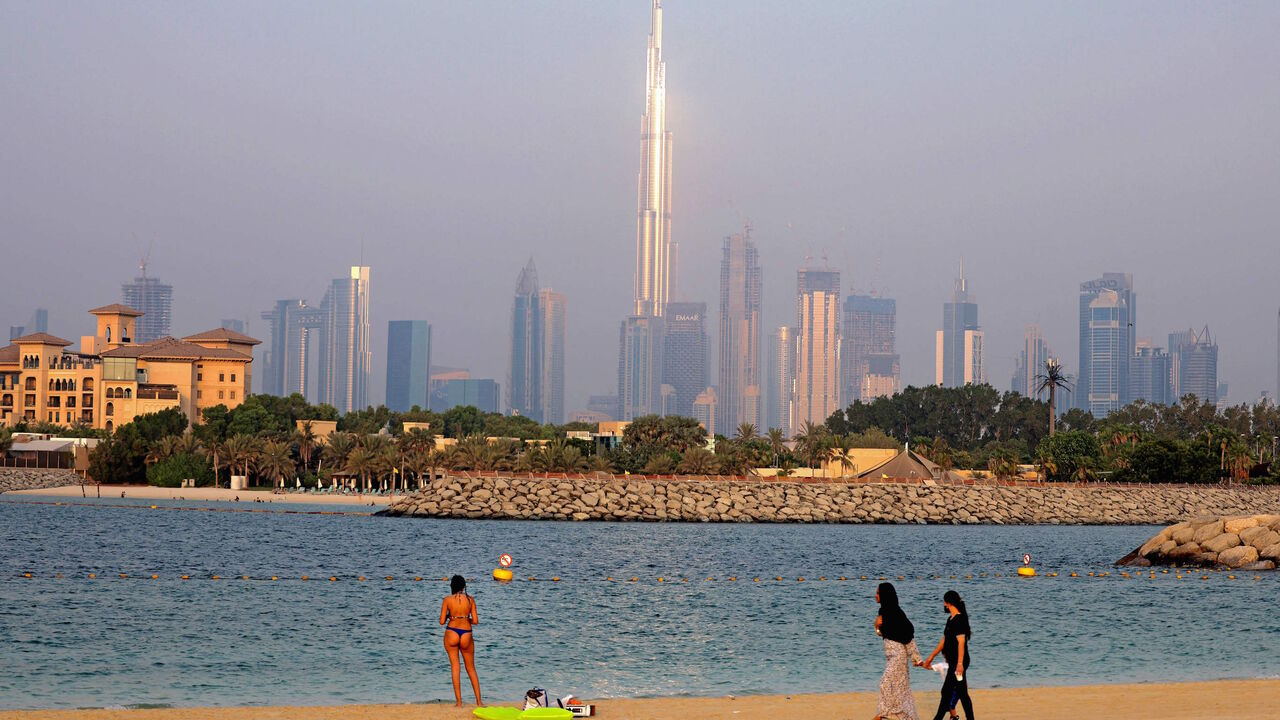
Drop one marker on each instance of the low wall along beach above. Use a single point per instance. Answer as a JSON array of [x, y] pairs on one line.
[[708, 500], [35, 479]]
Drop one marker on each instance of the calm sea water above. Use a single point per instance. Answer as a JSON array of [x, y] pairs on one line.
[[77, 642]]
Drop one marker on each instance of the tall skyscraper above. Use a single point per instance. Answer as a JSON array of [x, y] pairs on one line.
[[1105, 372], [781, 379], [739, 389], [640, 384], [154, 300], [1122, 285], [959, 350], [289, 364], [39, 323], [1031, 361], [344, 342], [408, 364], [655, 280], [640, 367], [1149, 375], [1198, 366], [684, 354], [817, 385], [535, 374], [551, 308], [524, 371], [869, 363]]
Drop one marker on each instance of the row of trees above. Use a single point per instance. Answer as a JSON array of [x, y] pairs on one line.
[[977, 427], [972, 427]]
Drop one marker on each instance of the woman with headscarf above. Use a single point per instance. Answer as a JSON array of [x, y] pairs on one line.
[[900, 651], [955, 649]]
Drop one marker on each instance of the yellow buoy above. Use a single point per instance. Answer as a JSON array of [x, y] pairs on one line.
[[502, 574], [1026, 572]]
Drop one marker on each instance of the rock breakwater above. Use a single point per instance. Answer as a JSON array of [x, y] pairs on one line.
[[652, 500], [1243, 542], [35, 479]]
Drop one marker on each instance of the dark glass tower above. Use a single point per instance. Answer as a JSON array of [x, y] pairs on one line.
[[684, 356], [408, 364]]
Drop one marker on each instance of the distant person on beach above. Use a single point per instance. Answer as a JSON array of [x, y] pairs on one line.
[[955, 649], [895, 701], [458, 615]]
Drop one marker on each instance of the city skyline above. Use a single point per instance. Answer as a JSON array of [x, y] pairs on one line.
[[901, 251]]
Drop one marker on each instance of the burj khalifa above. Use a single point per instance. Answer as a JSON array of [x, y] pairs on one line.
[[655, 252], [640, 341]]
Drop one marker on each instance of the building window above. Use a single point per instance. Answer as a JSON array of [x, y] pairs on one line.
[[111, 410], [219, 394], [128, 392], [199, 394], [222, 377], [233, 377], [199, 376], [233, 394]]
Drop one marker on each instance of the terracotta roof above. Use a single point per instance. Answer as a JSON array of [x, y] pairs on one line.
[[10, 354], [116, 309], [223, 334], [43, 339], [167, 348]]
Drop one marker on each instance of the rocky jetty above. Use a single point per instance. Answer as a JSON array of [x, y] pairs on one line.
[[1240, 542], [710, 500], [34, 479]]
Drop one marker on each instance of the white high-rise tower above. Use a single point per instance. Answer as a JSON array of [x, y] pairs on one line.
[[655, 280]]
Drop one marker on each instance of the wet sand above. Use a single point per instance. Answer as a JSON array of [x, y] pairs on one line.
[[1231, 699]]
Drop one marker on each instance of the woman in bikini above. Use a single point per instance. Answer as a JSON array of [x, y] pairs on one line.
[[458, 615]]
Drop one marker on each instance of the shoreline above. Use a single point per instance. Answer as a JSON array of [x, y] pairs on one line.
[[206, 494], [1178, 701]]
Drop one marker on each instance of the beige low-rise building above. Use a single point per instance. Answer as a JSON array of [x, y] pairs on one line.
[[112, 379]]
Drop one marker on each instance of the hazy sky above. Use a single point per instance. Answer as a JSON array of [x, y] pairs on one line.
[[258, 145]]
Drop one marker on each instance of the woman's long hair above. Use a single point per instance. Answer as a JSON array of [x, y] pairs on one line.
[[459, 583], [952, 598], [894, 624]]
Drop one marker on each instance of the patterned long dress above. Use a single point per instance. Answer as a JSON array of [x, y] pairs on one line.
[[896, 700]]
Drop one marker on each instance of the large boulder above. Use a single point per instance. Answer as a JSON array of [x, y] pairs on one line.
[[1235, 525], [1259, 537], [1182, 533], [1221, 542], [1185, 553], [1207, 530], [1271, 552], [1238, 556]]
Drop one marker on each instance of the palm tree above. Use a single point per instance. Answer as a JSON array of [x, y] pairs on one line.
[[698, 461], [359, 464], [812, 443], [419, 461], [746, 433], [161, 450], [841, 451], [239, 450], [275, 461], [305, 437], [599, 463], [778, 444], [1052, 379], [1046, 465], [336, 449], [217, 455], [189, 444]]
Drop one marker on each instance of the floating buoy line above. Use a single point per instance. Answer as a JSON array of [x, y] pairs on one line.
[[506, 576]]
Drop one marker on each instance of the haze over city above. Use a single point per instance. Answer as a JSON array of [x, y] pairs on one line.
[[256, 152]]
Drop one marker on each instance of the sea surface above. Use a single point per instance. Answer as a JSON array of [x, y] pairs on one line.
[[74, 641]]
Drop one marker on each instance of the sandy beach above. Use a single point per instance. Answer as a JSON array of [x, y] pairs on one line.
[[147, 492], [1231, 699]]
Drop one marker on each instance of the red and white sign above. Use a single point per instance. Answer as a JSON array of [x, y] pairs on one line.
[[1026, 559], [504, 560]]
